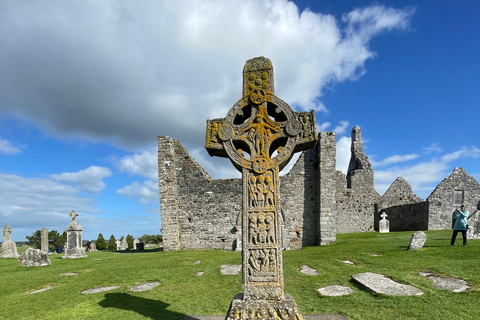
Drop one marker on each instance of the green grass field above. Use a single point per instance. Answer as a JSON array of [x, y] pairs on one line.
[[182, 292]]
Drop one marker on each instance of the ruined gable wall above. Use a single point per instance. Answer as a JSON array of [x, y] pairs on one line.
[[405, 210], [197, 211], [442, 203]]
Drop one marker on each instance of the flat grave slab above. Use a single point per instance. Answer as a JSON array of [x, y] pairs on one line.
[[305, 269], [100, 289], [230, 269], [144, 286], [335, 291], [380, 284], [447, 283]]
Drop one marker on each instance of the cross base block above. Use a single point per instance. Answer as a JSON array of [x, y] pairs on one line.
[[285, 309]]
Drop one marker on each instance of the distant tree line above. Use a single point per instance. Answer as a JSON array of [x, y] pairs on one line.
[[58, 240]]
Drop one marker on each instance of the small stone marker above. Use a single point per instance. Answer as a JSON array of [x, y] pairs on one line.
[[40, 290], [230, 269], [384, 224], [9, 247], [348, 262], [101, 289], [449, 283], [144, 286], [335, 291], [69, 274], [380, 284], [34, 258], [44, 240], [417, 240], [197, 262], [305, 269], [74, 248], [200, 273]]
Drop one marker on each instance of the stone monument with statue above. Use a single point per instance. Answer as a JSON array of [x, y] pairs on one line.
[[259, 135], [9, 247], [74, 248]]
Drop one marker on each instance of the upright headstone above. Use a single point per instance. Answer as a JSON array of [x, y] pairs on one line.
[[124, 244], [417, 240], [119, 245], [93, 246], [44, 240], [74, 247], [384, 224], [9, 247], [259, 135], [135, 242]]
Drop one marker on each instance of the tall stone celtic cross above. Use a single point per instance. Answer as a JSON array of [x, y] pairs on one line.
[[6, 232], [259, 135]]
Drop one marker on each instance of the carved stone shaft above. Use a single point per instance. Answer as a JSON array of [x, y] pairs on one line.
[[259, 135]]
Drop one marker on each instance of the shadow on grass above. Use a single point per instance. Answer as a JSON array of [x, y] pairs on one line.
[[140, 251], [152, 309]]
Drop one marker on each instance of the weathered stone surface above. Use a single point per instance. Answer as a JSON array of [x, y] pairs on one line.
[[44, 240], [100, 289], [34, 258], [144, 286], [380, 284], [285, 309], [230, 269], [335, 291], [447, 283], [69, 274], [326, 316], [41, 290], [348, 262], [458, 188], [9, 247], [259, 135], [417, 241], [74, 248], [305, 269]]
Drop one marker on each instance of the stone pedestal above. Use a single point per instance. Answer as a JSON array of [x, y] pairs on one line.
[[74, 248], [285, 309], [9, 249]]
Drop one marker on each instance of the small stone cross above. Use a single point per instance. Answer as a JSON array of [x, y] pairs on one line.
[[383, 215], [6, 232], [259, 135], [73, 214]]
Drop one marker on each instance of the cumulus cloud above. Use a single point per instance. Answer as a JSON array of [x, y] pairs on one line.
[[144, 193], [395, 159], [7, 148], [124, 73], [423, 176], [342, 128], [143, 163], [89, 179], [434, 147]]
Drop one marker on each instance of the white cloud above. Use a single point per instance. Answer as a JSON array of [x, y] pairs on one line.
[[144, 163], [471, 152], [343, 153], [153, 68], [7, 148], [89, 179], [144, 193], [341, 128], [434, 147], [323, 127], [395, 159]]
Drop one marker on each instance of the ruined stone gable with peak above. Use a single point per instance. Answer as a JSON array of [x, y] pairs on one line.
[[199, 212]]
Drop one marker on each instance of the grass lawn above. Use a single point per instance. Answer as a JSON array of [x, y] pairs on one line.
[[182, 292]]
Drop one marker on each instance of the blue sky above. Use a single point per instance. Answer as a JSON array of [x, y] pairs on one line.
[[86, 88]]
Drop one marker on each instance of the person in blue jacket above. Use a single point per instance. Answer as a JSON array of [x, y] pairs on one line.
[[460, 217]]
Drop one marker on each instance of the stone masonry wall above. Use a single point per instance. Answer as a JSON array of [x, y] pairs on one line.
[[457, 188], [405, 210]]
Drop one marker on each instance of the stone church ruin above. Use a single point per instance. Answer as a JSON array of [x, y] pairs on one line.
[[316, 200]]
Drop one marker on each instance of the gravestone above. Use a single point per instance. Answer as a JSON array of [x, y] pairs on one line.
[[417, 240], [9, 247], [135, 242], [44, 240], [119, 245], [34, 258], [124, 244], [74, 248], [378, 283], [93, 246], [259, 135], [384, 224]]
